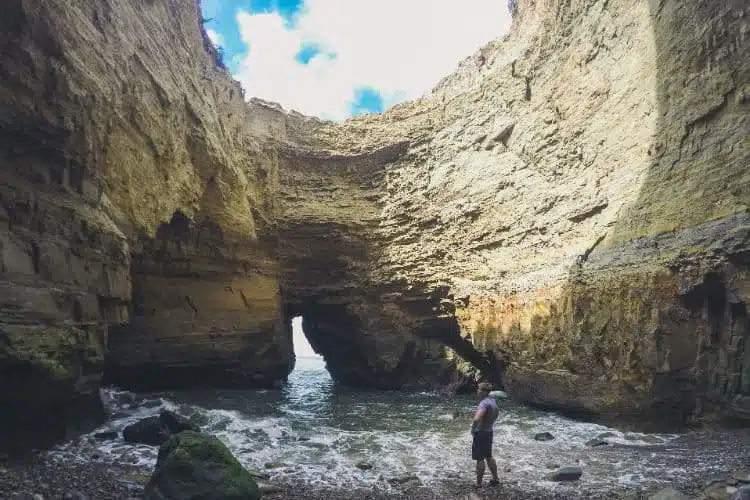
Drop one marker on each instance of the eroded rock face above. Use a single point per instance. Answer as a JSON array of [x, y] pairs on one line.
[[579, 188], [571, 201], [114, 118]]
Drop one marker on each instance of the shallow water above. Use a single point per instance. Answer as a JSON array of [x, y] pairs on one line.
[[316, 433]]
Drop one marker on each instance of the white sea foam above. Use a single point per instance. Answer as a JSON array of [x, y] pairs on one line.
[[313, 434]]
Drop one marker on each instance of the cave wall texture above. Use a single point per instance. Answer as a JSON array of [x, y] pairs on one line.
[[571, 201]]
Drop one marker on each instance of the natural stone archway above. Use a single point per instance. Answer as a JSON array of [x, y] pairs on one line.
[[373, 332]]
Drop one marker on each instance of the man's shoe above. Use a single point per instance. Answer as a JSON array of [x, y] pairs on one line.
[[494, 482]]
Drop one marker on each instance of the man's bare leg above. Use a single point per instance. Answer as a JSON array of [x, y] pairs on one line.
[[480, 472], [493, 469]]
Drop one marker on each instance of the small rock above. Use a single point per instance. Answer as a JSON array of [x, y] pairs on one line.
[[605, 435], [403, 479], [106, 436], [363, 465], [651, 440], [273, 465], [596, 442], [742, 476], [552, 466], [668, 494], [543, 436], [499, 394], [565, 474], [269, 489], [75, 495], [303, 438], [153, 403], [259, 475]]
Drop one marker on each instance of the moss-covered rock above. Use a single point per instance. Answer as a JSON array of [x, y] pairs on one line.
[[192, 466]]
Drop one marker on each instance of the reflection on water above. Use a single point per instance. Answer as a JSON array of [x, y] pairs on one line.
[[316, 432]]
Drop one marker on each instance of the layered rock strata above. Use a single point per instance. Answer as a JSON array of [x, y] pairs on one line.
[[571, 201], [137, 190], [580, 189]]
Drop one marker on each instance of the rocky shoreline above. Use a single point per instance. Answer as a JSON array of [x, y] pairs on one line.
[[47, 476]]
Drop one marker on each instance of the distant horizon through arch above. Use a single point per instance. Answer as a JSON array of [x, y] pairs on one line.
[[302, 347]]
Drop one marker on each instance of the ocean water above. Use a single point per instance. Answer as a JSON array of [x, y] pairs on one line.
[[314, 432]]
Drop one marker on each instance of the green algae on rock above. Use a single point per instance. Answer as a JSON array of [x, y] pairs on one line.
[[197, 466]]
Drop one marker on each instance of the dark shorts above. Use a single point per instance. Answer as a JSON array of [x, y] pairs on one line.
[[481, 445]]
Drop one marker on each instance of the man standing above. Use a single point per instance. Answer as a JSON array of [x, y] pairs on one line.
[[481, 429]]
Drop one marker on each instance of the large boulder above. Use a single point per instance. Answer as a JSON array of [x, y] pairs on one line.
[[146, 431], [157, 429], [175, 423], [198, 466]]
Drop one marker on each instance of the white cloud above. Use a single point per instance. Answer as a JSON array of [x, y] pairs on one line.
[[400, 48], [216, 38]]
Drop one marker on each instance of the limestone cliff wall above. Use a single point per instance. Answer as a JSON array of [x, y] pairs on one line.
[[137, 197], [580, 188]]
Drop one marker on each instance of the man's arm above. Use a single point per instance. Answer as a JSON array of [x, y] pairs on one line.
[[478, 416]]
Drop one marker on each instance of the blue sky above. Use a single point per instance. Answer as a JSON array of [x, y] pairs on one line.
[[340, 58]]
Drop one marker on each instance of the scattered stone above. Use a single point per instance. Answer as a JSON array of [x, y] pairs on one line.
[[193, 465], [260, 475], [742, 476], [273, 465], [732, 481], [405, 478], [499, 394], [364, 466], [606, 435], [668, 494], [146, 431], [75, 495], [565, 474], [303, 438], [652, 440], [269, 489], [596, 442], [543, 436], [552, 466]]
